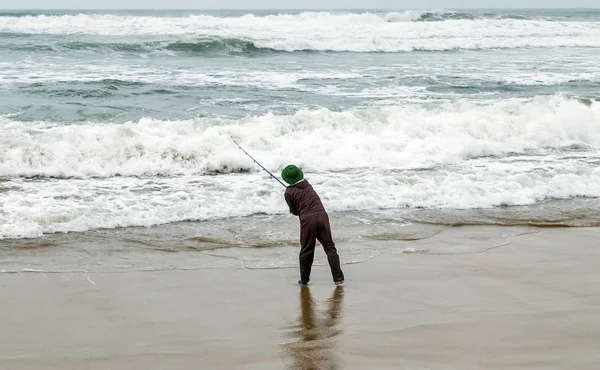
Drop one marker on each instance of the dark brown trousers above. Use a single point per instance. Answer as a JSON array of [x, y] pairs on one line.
[[315, 227]]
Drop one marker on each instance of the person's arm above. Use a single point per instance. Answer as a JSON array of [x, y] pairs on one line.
[[290, 203]]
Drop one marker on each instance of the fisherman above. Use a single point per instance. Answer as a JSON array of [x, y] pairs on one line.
[[304, 202]]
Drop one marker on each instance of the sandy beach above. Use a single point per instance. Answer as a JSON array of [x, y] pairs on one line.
[[531, 303]]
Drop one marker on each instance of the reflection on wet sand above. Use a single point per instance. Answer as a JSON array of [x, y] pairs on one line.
[[315, 347]]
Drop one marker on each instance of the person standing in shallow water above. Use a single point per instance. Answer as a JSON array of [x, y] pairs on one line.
[[304, 202]]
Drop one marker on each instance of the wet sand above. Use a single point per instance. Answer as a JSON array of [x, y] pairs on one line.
[[533, 303]]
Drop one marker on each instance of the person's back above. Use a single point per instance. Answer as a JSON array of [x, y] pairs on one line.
[[304, 202]]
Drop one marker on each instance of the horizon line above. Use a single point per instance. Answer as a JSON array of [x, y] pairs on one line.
[[333, 8]]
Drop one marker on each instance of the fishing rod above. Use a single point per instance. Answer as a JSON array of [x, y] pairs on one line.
[[261, 166]]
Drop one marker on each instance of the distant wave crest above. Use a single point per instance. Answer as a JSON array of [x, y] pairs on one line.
[[310, 31]]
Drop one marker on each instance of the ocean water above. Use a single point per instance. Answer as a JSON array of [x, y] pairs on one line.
[[120, 123]]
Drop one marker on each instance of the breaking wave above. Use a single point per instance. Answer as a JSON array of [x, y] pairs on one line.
[[312, 31]]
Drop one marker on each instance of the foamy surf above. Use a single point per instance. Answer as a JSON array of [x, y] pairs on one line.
[[122, 118], [150, 172], [389, 138], [323, 31]]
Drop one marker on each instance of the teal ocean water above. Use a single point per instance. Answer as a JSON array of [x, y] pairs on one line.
[[113, 119]]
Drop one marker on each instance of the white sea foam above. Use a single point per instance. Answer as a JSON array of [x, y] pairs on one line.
[[34, 72], [486, 71], [365, 32], [320, 140], [459, 155], [36, 207]]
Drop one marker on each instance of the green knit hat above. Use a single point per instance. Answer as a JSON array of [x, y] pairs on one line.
[[292, 174]]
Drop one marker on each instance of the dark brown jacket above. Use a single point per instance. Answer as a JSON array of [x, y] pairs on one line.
[[303, 200]]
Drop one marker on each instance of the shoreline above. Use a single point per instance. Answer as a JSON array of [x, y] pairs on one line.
[[531, 304]]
